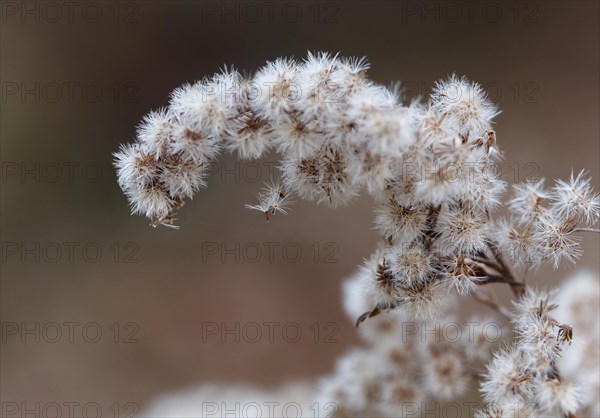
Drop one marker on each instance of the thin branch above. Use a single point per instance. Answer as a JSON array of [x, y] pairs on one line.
[[374, 312], [495, 278], [485, 261], [516, 286], [585, 229]]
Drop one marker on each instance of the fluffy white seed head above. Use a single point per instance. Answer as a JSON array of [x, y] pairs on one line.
[[400, 223], [424, 301], [272, 199], [438, 183], [463, 227], [321, 97], [399, 392], [446, 376], [278, 89], [557, 397], [555, 240], [410, 263], [379, 282], [517, 242], [505, 381], [154, 133], [465, 104], [526, 204], [183, 179], [576, 197], [460, 273], [248, 134], [205, 106], [322, 177]]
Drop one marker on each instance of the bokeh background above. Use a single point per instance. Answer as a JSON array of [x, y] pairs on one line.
[[76, 79]]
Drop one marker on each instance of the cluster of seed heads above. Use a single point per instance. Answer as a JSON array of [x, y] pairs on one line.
[[428, 166]]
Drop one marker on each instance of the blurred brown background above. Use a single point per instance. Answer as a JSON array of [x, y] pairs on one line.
[[76, 79]]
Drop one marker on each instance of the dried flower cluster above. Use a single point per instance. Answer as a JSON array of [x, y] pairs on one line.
[[544, 372], [411, 368], [537, 232], [525, 378], [579, 306], [407, 364], [430, 167]]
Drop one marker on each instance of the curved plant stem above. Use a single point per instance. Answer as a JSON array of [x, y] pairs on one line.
[[583, 229]]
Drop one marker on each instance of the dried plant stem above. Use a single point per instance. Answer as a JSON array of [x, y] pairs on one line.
[[582, 229], [516, 285]]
